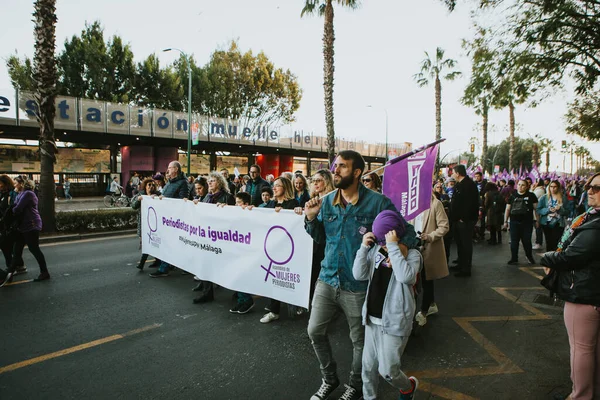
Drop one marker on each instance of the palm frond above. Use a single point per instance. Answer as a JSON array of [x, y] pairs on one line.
[[453, 75], [310, 7]]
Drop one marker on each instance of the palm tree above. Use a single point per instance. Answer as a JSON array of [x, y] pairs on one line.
[[45, 77], [325, 8], [546, 146], [434, 69]]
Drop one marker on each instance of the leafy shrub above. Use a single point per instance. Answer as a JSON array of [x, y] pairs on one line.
[[101, 220]]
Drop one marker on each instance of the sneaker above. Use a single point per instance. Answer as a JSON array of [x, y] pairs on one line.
[[351, 394], [21, 270], [325, 390], [513, 262], [433, 309], [7, 278], [245, 307], [420, 318], [159, 274], [269, 317], [537, 246], [235, 308], [205, 298], [267, 309], [411, 394], [42, 277], [530, 260]]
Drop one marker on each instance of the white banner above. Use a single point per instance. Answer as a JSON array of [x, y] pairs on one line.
[[254, 251]]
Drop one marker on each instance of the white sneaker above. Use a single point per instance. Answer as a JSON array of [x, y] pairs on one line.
[[421, 319], [196, 278], [537, 246], [269, 317], [433, 309]]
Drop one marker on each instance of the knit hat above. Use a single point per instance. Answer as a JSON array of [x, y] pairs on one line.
[[386, 221], [158, 177]]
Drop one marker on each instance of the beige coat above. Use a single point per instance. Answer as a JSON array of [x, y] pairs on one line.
[[435, 225]]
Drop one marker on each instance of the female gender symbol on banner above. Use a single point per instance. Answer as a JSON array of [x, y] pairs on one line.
[[152, 217], [276, 246]]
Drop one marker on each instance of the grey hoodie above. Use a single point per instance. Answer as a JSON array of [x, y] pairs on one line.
[[399, 304]]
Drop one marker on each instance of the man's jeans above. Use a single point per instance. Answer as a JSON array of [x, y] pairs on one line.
[[327, 301], [520, 231]]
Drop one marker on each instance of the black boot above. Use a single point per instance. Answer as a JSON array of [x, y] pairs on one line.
[[142, 262]]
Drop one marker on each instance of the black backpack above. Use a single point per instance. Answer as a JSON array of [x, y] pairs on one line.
[[519, 206]]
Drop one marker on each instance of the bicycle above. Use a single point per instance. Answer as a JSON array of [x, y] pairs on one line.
[[115, 200]]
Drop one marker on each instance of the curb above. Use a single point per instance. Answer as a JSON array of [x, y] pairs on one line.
[[83, 236]]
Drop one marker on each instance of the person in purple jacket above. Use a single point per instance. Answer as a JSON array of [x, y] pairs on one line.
[[28, 228]]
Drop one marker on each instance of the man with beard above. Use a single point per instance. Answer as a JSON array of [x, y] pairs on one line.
[[340, 219]]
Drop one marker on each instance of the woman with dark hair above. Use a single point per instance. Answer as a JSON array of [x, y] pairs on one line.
[[553, 208], [7, 237], [148, 188], [29, 225], [218, 193], [200, 190], [283, 198], [372, 181], [575, 266], [494, 205], [301, 190]]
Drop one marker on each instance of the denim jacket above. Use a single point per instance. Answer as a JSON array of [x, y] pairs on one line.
[[342, 229], [543, 209]]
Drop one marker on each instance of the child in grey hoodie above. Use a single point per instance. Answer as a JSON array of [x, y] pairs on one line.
[[389, 306]]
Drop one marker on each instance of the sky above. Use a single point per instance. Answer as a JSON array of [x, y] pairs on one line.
[[378, 49]]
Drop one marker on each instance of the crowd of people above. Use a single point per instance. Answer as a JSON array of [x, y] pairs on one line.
[[369, 263]]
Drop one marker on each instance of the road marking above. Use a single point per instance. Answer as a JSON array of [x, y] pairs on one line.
[[18, 282], [74, 349], [529, 270], [443, 392], [77, 241]]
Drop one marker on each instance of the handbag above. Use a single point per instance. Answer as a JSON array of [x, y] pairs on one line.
[[550, 282]]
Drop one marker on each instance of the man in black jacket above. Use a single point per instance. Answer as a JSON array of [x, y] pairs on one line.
[[255, 185], [464, 211]]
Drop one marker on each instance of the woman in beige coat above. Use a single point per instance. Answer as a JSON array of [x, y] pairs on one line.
[[435, 266]]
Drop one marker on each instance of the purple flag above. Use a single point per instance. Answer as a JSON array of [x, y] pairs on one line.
[[408, 183], [534, 174]]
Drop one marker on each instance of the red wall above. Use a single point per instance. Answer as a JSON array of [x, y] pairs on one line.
[[145, 158], [286, 164]]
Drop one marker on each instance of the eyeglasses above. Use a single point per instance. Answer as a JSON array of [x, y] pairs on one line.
[[594, 188], [211, 181], [278, 185], [367, 180], [316, 180]]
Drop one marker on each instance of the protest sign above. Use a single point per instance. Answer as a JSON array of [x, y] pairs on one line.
[[255, 251]]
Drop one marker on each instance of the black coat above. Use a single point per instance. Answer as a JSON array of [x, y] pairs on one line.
[[465, 201], [176, 188], [578, 265]]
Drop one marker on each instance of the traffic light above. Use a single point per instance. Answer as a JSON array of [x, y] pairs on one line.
[[472, 148], [564, 144]]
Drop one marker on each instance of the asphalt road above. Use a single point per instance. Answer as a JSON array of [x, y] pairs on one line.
[[99, 329]]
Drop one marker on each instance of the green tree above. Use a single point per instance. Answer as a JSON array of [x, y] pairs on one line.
[[522, 155], [20, 73], [324, 8], [156, 87], [243, 86], [583, 116], [435, 69], [45, 77]]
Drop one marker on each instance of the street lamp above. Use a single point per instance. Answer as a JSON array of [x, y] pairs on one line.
[[189, 124], [386, 132]]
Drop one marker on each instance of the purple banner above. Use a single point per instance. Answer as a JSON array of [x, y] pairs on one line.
[[408, 183]]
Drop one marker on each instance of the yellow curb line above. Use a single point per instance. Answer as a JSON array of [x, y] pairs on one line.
[[74, 349]]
